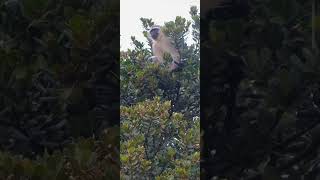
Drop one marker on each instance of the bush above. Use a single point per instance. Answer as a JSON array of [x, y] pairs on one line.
[[157, 144], [85, 159]]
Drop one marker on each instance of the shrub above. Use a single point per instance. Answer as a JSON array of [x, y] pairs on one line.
[[157, 144]]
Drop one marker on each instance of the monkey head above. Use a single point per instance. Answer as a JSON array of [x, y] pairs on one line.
[[155, 32]]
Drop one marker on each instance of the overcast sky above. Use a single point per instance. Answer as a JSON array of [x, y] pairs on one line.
[[159, 10]]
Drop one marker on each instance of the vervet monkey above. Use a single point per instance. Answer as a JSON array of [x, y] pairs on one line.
[[161, 44]]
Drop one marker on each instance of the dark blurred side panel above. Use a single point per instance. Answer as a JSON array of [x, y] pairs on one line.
[[59, 89], [220, 76], [260, 89]]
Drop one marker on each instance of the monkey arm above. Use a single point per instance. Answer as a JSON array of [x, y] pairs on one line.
[[157, 51], [173, 52], [175, 56]]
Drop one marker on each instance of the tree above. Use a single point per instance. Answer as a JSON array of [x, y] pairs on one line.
[[160, 110]]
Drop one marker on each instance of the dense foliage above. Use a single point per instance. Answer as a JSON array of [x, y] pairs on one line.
[[160, 124], [260, 91], [87, 159], [155, 144], [59, 80]]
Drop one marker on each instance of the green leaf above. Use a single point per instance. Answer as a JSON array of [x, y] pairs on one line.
[[34, 8], [81, 27], [317, 23], [20, 72], [40, 171]]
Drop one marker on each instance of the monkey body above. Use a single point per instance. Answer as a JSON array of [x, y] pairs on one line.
[[161, 44]]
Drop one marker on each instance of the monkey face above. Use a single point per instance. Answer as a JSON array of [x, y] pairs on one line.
[[155, 33]]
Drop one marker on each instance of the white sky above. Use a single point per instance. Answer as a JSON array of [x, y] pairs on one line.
[[159, 10]]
